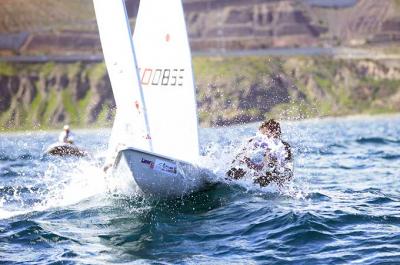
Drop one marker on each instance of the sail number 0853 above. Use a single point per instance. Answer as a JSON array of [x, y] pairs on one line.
[[163, 77]]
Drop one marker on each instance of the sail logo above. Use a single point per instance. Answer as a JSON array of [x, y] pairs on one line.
[[161, 77], [165, 167]]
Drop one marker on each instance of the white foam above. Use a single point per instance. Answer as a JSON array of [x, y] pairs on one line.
[[82, 182], [63, 183]]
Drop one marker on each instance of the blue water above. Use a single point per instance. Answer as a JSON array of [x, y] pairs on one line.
[[343, 206]]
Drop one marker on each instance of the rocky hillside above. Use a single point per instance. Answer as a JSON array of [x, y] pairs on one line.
[[46, 95], [230, 90], [37, 27], [235, 90]]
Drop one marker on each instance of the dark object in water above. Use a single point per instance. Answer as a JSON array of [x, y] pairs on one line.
[[277, 177], [236, 173], [264, 180], [62, 149]]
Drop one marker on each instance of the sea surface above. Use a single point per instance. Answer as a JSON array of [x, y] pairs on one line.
[[343, 206]]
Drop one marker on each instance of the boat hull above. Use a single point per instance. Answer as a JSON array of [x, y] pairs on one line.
[[159, 175]]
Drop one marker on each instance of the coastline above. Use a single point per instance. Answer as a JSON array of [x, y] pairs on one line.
[[38, 131]]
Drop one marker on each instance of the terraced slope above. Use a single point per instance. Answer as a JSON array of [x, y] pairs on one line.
[[57, 27], [47, 27], [365, 20], [37, 15]]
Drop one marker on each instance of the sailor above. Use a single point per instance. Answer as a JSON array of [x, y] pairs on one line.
[[65, 136], [265, 155]]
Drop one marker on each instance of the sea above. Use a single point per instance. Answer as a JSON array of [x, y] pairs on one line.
[[342, 207]]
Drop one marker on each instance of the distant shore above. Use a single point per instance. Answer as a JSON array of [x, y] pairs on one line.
[[335, 52], [58, 129]]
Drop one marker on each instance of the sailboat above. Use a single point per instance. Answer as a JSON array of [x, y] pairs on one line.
[[154, 139]]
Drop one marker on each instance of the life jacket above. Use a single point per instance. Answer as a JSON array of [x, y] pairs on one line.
[[262, 147]]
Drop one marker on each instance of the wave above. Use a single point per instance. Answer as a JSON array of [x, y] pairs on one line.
[[381, 200], [31, 232], [377, 140], [391, 156], [20, 157], [4, 157]]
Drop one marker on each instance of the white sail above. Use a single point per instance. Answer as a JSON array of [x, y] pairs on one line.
[[130, 126], [164, 60]]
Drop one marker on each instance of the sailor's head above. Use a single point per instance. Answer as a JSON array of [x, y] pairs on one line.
[[271, 128], [66, 128]]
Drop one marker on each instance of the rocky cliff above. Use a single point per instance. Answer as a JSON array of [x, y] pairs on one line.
[[46, 95], [229, 90], [234, 90]]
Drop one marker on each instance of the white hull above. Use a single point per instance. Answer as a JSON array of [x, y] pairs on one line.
[[159, 175]]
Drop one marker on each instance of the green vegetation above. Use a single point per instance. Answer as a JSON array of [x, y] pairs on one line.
[[7, 69], [96, 72], [51, 105], [83, 105], [47, 68], [70, 107], [103, 117], [35, 110]]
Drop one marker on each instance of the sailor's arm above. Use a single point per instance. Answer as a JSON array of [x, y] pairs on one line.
[[288, 150]]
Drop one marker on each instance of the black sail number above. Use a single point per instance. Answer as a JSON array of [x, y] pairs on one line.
[[174, 77], [163, 77], [180, 83], [156, 77]]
